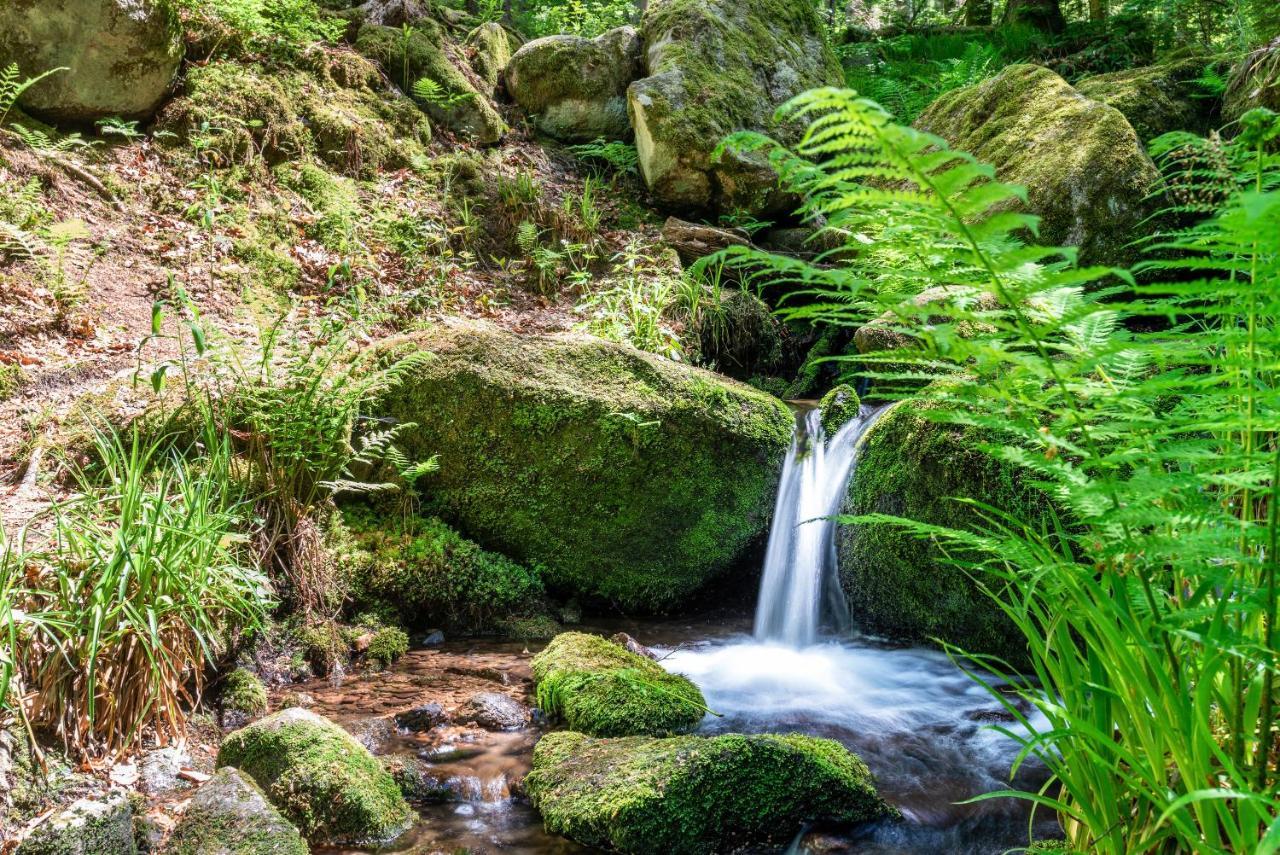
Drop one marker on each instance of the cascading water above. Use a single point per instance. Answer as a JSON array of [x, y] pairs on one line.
[[800, 589]]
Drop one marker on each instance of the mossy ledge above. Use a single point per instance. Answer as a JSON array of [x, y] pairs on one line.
[[600, 688], [631, 480], [693, 795]]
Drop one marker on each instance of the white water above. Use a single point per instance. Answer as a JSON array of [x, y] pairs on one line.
[[800, 586]]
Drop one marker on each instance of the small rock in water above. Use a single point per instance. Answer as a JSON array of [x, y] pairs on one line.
[[623, 640], [160, 769], [494, 711], [433, 638], [372, 733], [297, 699], [493, 675], [421, 718], [571, 613]]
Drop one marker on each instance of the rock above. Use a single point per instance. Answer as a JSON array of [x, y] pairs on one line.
[[491, 46], [694, 794], [421, 718], [394, 13], [229, 814], [629, 644], [421, 781], [297, 699], [493, 711], [160, 768], [741, 337], [123, 56], [86, 827], [627, 478], [320, 778], [597, 687], [576, 88], [1155, 99], [838, 406], [373, 733], [243, 692], [1255, 82], [433, 638], [695, 241], [901, 586], [715, 67], [1086, 173], [460, 106]]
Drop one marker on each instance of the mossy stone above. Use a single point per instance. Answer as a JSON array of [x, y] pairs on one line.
[[838, 407], [242, 691], [491, 46], [101, 826], [1156, 99], [626, 478], [320, 778], [1086, 173], [692, 795], [900, 586], [601, 688], [715, 67], [229, 815]]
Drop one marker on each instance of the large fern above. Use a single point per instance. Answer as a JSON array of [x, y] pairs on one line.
[[1149, 412]]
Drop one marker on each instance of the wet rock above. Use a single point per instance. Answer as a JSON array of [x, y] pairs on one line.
[[626, 642], [597, 687], [715, 67], [122, 55], [493, 711], [575, 88], [160, 768], [86, 827], [421, 718], [693, 794], [373, 733], [493, 675], [838, 406], [1087, 175], [433, 638], [229, 814], [297, 699], [320, 778], [418, 781], [628, 478]]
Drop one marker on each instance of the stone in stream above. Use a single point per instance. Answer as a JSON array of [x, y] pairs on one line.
[[714, 67], [838, 406], [574, 88], [320, 777], [598, 687], [493, 711], [122, 56], [102, 826], [628, 479], [1087, 175], [694, 795], [421, 718], [229, 814]]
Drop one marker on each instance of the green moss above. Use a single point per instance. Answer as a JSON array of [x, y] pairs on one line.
[[242, 691], [1156, 99], [692, 795], [598, 687], [229, 815], [740, 337], [629, 479], [900, 586], [1086, 173], [491, 46], [808, 378], [428, 574], [538, 628], [316, 773], [838, 406], [334, 200], [388, 645]]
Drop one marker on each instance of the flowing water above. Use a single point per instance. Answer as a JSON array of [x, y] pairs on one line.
[[925, 729]]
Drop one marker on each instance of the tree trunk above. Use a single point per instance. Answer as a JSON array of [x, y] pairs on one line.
[[978, 13], [1097, 10], [1042, 14]]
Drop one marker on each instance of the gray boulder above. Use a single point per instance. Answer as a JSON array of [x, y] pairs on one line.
[[123, 55], [229, 815], [86, 827], [493, 711], [576, 88], [715, 67]]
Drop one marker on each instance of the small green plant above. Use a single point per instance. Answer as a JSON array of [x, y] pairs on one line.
[[618, 156], [636, 303], [13, 85], [115, 127], [431, 92], [554, 264], [387, 645], [588, 18], [283, 28]]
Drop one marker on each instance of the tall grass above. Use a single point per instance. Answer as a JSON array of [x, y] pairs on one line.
[[1150, 414]]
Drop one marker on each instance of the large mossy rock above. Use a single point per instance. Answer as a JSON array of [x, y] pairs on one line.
[[715, 67], [692, 795], [574, 88], [490, 47], [122, 55], [320, 778], [627, 478], [229, 814], [1086, 173], [898, 585], [425, 54], [595, 686], [102, 826], [1155, 99]]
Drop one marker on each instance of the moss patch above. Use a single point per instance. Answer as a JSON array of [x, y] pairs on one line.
[[229, 815], [629, 479], [1156, 99], [838, 406], [242, 691], [600, 688], [319, 777], [691, 795]]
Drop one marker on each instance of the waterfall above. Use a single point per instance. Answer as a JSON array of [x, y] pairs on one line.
[[800, 588]]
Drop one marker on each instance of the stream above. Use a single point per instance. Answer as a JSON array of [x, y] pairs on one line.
[[923, 727]]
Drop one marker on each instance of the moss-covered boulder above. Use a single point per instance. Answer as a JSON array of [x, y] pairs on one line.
[[574, 88], [451, 97], [715, 67], [838, 407], [229, 814], [601, 688], [320, 778], [120, 56], [1086, 172], [489, 50], [627, 478], [898, 585], [741, 337], [1156, 99], [99, 826], [692, 795], [427, 574]]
